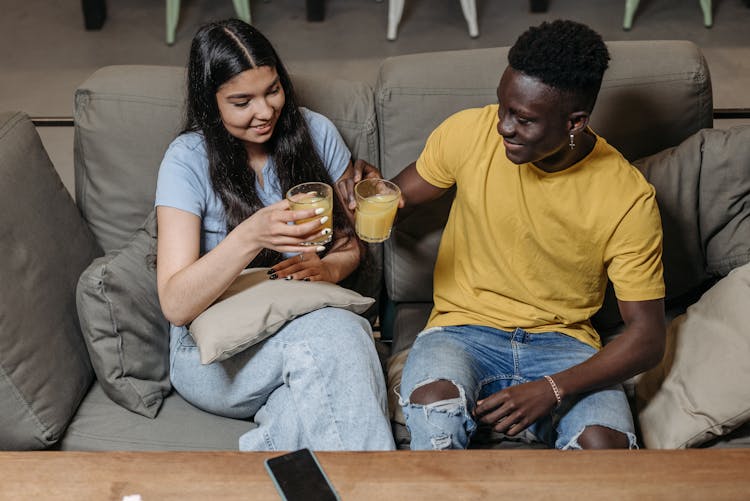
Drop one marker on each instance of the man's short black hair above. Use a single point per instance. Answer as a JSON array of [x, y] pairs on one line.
[[566, 55]]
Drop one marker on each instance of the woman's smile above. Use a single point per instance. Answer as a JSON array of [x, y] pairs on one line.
[[250, 104], [264, 128]]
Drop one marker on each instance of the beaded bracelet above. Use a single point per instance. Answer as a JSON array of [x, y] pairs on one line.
[[555, 389]]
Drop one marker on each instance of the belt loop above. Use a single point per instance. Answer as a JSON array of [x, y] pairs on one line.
[[520, 336]]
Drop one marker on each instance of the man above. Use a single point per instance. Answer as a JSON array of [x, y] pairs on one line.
[[545, 211]]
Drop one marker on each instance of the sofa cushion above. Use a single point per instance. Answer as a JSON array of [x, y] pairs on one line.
[[126, 333], [703, 191], [699, 391], [44, 367], [254, 308], [724, 198], [102, 425]]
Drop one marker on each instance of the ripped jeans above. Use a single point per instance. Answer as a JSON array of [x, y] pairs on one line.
[[481, 361]]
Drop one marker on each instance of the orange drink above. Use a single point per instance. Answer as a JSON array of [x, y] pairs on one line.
[[377, 203], [307, 196]]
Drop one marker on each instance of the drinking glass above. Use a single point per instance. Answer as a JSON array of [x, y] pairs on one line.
[[377, 203], [314, 196]]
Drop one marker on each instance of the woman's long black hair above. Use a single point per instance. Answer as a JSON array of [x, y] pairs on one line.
[[219, 52]]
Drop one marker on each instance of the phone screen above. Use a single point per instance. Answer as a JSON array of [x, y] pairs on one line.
[[299, 477]]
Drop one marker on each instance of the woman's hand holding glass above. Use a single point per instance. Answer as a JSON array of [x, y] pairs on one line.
[[318, 197], [270, 227]]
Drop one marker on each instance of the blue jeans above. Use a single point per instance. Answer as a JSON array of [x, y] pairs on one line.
[[481, 361], [316, 383]]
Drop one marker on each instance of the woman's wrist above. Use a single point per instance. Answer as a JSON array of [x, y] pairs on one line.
[[245, 243]]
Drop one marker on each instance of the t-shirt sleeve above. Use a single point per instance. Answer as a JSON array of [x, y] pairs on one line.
[[329, 144], [634, 253], [439, 159], [180, 183]]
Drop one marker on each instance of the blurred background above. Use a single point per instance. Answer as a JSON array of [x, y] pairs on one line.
[[46, 51]]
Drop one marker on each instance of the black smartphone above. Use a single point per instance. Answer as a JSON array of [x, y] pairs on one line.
[[299, 477]]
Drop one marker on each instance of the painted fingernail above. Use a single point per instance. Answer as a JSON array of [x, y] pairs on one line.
[[288, 277], [273, 276], [323, 219], [306, 279], [325, 231], [319, 211], [320, 248], [271, 271]]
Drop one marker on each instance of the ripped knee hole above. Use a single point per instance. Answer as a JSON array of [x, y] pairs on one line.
[[435, 391]]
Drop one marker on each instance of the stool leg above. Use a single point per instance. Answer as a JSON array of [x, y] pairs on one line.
[[630, 7], [242, 8], [395, 10], [173, 14], [470, 13], [707, 14]]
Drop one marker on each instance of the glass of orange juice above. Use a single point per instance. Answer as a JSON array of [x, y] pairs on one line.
[[377, 203], [314, 196]]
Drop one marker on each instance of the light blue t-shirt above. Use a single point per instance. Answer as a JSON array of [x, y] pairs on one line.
[[184, 181]]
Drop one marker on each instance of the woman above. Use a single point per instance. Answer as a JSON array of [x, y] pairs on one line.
[[317, 382]]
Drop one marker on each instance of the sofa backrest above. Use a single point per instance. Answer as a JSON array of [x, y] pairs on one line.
[[126, 116], [654, 95]]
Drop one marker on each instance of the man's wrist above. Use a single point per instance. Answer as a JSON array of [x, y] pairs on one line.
[[555, 389]]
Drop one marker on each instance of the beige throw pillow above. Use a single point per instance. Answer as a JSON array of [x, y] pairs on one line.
[[254, 307], [699, 391]]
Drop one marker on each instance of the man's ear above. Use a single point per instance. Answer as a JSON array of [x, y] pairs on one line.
[[578, 121]]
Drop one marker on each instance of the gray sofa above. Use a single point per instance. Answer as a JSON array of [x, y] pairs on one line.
[[83, 360]]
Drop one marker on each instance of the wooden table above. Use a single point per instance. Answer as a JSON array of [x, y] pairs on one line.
[[477, 474]]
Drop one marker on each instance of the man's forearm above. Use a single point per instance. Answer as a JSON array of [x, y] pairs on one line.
[[638, 348]]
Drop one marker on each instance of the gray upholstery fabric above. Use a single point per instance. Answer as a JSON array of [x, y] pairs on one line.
[[126, 116], [125, 331], [703, 190], [101, 425], [725, 198], [409, 319], [44, 367], [666, 81], [349, 105]]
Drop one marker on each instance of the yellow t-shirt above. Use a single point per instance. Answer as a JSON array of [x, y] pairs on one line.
[[530, 249]]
